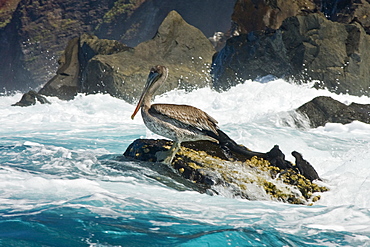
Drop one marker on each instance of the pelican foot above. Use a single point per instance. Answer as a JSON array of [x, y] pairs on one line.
[[164, 157]]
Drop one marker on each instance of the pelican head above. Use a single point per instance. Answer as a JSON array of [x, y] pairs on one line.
[[158, 74]]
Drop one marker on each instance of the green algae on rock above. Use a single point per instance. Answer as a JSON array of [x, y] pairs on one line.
[[205, 163]]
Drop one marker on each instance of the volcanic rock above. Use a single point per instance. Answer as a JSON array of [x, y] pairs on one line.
[[68, 80], [258, 15], [30, 98], [34, 33], [305, 48], [139, 20], [348, 11], [255, 178], [37, 34], [323, 109], [179, 46], [304, 167]]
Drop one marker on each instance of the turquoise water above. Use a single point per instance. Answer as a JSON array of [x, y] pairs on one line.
[[63, 182]]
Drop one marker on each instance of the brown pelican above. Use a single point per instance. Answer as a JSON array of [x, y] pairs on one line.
[[177, 122]]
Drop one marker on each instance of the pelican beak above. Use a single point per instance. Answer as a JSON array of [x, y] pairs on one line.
[[152, 78]]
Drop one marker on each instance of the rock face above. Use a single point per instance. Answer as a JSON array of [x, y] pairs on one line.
[[38, 33], [68, 79], [179, 46], [348, 11], [322, 110], [258, 15], [91, 65], [34, 33], [205, 164], [304, 48], [138, 21]]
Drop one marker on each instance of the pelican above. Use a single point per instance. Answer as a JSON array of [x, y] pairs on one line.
[[179, 123]]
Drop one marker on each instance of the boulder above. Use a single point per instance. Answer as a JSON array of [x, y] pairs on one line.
[[304, 48], [92, 65], [179, 46], [65, 84], [323, 109], [206, 165], [30, 98], [68, 79]]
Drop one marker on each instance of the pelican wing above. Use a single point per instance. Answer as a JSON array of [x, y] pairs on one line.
[[188, 115]]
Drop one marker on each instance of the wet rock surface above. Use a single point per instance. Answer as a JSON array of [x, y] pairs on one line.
[[323, 109], [31, 98], [206, 165], [305, 48]]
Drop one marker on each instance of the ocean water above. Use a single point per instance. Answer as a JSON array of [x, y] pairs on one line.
[[61, 183]]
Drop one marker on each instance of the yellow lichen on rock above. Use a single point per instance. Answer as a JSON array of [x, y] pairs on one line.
[[254, 178], [246, 177]]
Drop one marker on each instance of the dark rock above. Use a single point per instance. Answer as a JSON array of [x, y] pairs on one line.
[[38, 33], [304, 167], [206, 164], [323, 109], [65, 84], [179, 46], [250, 56], [138, 21], [335, 54], [258, 15], [68, 80], [34, 33], [91, 65], [305, 48], [348, 11], [30, 98]]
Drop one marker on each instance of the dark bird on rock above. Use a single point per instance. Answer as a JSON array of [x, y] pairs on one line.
[[305, 168]]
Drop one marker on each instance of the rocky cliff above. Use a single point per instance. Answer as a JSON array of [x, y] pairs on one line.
[[304, 48], [92, 65], [34, 33]]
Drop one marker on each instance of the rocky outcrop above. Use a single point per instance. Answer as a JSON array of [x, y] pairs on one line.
[[35, 34], [68, 79], [257, 15], [304, 48], [138, 21], [206, 165], [91, 65], [323, 109], [179, 46], [7, 8], [348, 11], [30, 98]]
